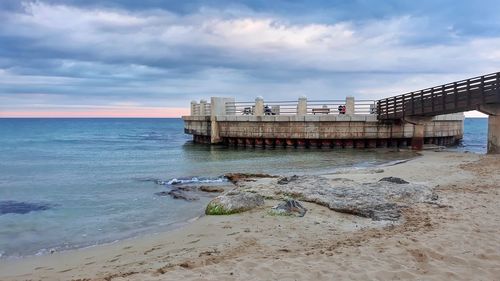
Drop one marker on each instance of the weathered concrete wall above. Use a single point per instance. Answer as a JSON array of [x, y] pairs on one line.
[[197, 125], [321, 127]]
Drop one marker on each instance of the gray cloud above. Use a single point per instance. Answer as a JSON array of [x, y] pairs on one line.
[[60, 54]]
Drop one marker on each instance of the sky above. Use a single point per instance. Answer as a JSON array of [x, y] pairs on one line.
[[150, 58]]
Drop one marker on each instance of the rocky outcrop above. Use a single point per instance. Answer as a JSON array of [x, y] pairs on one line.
[[209, 188], [394, 180], [381, 200], [237, 177], [289, 207], [287, 180], [234, 202], [178, 194]]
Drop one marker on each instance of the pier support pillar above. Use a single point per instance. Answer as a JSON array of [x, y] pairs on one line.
[[493, 112], [417, 140], [259, 106], [302, 106], [494, 134]]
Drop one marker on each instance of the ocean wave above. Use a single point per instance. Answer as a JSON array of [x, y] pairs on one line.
[[193, 180]]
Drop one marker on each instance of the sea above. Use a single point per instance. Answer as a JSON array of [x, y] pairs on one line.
[[74, 183]]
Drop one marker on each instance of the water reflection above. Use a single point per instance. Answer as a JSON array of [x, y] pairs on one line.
[[217, 160]]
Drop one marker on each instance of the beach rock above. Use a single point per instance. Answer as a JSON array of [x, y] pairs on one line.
[[177, 194], [380, 200], [234, 202], [162, 193], [187, 188], [208, 188], [237, 177], [288, 208], [180, 194], [394, 180], [286, 180]]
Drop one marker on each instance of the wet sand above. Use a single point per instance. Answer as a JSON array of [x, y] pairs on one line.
[[457, 239]]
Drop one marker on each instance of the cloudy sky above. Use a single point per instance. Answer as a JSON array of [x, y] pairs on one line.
[[152, 57]]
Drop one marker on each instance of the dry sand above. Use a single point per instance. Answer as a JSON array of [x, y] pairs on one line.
[[458, 240]]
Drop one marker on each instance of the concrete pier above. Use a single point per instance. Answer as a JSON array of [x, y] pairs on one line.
[[250, 125]]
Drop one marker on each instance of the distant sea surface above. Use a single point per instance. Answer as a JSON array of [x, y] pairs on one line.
[[71, 183]]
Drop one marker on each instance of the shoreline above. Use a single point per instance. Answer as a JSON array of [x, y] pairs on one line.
[[216, 181], [224, 246], [145, 235]]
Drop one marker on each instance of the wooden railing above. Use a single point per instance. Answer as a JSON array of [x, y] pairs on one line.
[[453, 97]]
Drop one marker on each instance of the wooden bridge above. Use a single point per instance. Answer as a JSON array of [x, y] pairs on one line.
[[479, 93]]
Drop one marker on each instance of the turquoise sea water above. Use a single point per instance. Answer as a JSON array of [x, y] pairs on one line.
[[475, 135], [69, 183]]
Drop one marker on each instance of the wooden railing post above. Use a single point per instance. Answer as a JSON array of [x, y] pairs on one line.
[[444, 98], [498, 86], [432, 100], [483, 98], [403, 105], [422, 101], [468, 94], [387, 108], [455, 93]]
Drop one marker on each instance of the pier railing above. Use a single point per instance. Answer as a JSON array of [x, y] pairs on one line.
[[453, 97], [365, 107], [302, 106], [273, 107], [318, 107], [201, 109]]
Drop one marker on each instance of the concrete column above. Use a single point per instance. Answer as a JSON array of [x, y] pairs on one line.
[[417, 140], [259, 106], [302, 106], [493, 110], [217, 108], [203, 108], [349, 105], [221, 106], [194, 108], [494, 134]]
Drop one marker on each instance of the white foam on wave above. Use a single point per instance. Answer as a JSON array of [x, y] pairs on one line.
[[193, 180]]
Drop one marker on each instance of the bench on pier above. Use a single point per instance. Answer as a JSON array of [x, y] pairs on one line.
[[323, 110]]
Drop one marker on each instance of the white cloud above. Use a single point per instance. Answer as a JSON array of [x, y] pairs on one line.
[[224, 52], [344, 46]]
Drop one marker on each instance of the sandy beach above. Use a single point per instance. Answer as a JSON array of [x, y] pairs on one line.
[[457, 239]]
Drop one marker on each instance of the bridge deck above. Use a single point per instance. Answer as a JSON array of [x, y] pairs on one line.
[[453, 97]]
